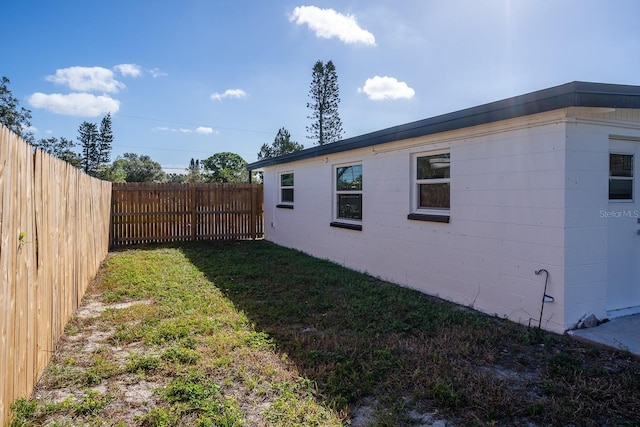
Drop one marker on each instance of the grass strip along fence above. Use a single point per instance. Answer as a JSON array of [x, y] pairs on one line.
[[160, 213], [54, 228]]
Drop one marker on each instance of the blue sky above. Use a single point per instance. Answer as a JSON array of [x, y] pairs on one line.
[[189, 78]]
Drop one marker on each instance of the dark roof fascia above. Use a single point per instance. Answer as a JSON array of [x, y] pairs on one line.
[[574, 94]]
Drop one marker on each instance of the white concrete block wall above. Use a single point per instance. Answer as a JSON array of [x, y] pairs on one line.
[[586, 250], [507, 220], [509, 198]]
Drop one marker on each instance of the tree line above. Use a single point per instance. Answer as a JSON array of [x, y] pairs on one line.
[[96, 141]]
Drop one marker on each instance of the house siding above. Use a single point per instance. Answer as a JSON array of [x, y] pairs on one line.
[[587, 171], [507, 217]]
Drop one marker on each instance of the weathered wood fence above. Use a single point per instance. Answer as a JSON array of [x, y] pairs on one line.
[[154, 213], [54, 228], [56, 225]]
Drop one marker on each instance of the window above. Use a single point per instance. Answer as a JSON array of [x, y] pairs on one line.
[[286, 190], [620, 176], [348, 196], [431, 190]]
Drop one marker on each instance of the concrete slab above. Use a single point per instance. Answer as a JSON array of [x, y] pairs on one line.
[[621, 333]]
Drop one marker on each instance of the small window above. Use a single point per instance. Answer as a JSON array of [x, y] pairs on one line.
[[620, 176], [286, 188], [432, 182], [348, 199]]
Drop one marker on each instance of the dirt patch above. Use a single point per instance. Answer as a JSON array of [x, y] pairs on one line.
[[68, 381]]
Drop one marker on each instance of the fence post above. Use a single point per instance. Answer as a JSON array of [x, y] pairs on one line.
[[194, 215], [254, 210]]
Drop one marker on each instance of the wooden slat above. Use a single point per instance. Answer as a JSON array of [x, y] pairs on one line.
[[8, 177]]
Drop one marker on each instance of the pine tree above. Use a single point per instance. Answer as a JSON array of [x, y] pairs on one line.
[[194, 172], [105, 138], [282, 144], [96, 147], [326, 126], [88, 138]]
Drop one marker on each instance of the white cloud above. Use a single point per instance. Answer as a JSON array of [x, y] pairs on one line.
[[75, 104], [379, 88], [82, 81], [155, 73], [129, 70], [166, 129], [229, 93], [328, 23], [87, 79], [204, 130]]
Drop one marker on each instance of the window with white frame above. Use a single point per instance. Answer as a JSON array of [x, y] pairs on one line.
[[286, 189], [620, 176], [431, 189], [348, 193]]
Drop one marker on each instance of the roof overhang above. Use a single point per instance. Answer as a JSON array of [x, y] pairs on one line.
[[574, 94]]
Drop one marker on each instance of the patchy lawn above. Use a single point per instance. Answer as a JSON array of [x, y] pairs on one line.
[[252, 334]]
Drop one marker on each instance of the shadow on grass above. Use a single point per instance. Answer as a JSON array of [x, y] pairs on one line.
[[361, 339]]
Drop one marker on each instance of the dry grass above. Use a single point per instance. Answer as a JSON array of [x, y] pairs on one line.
[[254, 334]]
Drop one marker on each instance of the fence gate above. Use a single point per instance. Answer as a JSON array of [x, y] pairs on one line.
[[155, 213]]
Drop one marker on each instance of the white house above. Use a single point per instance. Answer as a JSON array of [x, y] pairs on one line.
[[468, 206]]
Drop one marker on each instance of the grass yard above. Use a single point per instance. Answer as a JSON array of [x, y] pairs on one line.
[[252, 334]]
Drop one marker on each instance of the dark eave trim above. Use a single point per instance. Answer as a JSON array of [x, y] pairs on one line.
[[574, 94]]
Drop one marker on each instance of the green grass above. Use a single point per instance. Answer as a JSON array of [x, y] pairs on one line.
[[251, 333], [89, 404]]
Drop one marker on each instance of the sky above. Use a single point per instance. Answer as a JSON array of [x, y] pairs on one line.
[[187, 79]]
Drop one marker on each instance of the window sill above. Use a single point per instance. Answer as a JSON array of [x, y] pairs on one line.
[[429, 217], [357, 227], [284, 206]]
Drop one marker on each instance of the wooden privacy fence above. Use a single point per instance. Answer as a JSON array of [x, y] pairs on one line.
[[54, 228], [154, 213]]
